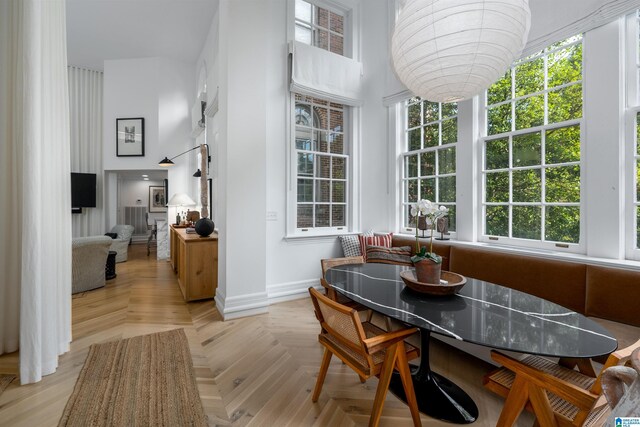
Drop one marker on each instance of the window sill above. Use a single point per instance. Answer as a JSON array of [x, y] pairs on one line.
[[318, 237], [546, 254]]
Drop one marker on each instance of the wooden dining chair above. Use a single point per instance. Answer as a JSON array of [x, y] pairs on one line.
[[556, 393], [367, 349]]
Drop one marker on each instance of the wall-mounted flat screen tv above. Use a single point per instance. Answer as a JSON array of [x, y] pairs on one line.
[[83, 190]]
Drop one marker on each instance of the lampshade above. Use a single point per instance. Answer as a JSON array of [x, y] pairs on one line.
[[447, 51], [197, 173], [166, 162], [181, 199]]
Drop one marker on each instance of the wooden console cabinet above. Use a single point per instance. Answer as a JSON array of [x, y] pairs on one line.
[[195, 260]]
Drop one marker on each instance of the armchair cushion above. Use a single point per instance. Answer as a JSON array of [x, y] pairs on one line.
[[89, 257]]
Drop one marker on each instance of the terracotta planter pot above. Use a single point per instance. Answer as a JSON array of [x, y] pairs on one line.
[[428, 271]]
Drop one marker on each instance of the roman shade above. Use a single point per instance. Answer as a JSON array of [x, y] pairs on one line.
[[323, 74]]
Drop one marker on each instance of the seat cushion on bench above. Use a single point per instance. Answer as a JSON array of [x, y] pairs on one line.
[[561, 282], [614, 294]]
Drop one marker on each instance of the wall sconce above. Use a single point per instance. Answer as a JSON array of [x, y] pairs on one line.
[[166, 162]]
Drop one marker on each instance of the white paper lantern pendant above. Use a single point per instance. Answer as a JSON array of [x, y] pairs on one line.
[[450, 50]]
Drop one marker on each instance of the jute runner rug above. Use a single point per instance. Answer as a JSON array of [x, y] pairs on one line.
[[5, 380], [140, 381]]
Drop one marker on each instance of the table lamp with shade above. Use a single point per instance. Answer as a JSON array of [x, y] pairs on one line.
[[180, 200]]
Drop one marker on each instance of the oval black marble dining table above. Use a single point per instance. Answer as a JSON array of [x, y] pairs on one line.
[[482, 313]]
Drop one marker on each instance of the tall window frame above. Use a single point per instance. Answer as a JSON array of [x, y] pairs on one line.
[[428, 157], [632, 138], [520, 150], [324, 25]]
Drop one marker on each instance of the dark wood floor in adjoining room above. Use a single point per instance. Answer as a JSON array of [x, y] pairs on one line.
[[257, 371]]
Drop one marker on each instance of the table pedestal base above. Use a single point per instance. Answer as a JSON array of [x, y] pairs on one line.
[[437, 396]]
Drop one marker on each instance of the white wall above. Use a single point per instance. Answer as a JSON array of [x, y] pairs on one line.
[[161, 91], [136, 193], [246, 55]]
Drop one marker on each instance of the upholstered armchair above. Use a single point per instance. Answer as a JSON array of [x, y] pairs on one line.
[[89, 257], [121, 243]]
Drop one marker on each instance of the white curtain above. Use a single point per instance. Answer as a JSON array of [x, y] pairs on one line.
[[35, 195], [85, 108]]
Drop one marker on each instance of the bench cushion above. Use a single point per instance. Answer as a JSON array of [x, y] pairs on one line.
[[441, 249], [561, 282], [614, 294]]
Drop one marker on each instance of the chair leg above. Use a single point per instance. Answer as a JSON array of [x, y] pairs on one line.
[[515, 403], [324, 366], [383, 384], [362, 379], [407, 382], [541, 407]]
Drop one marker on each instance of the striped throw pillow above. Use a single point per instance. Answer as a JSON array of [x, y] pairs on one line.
[[380, 240], [395, 255]]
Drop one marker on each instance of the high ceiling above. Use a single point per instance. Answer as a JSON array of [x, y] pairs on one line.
[[99, 30]]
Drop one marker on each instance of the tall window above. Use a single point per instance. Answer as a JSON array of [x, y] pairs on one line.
[[636, 162], [319, 27], [322, 157], [429, 157], [531, 155]]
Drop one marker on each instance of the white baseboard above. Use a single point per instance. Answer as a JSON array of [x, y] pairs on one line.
[[291, 290], [242, 306]]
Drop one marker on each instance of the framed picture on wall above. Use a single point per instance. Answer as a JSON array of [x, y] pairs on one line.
[[130, 137], [157, 199]]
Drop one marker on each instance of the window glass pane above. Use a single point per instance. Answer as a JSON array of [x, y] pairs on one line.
[[320, 117], [337, 23], [450, 131], [527, 186], [564, 42], [500, 90], [497, 153], [562, 145], [447, 187], [428, 163], [338, 217], [563, 184], [637, 180], [303, 33], [431, 135], [562, 224], [430, 111], [411, 166], [321, 40], [324, 166], [530, 112], [565, 104], [452, 217], [322, 141], [499, 119], [638, 227], [322, 17], [447, 160], [428, 188], [527, 222], [339, 168], [303, 115], [305, 190], [414, 139], [338, 191], [303, 139], [322, 216], [530, 77], [411, 191], [497, 187], [526, 149], [565, 66], [303, 10], [450, 109], [305, 164], [305, 216], [336, 44], [336, 120], [409, 221], [337, 143], [497, 221], [323, 191], [413, 115], [638, 134]]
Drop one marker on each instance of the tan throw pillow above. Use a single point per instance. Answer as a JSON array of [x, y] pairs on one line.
[[396, 255]]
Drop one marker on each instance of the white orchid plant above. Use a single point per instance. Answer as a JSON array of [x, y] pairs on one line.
[[432, 212]]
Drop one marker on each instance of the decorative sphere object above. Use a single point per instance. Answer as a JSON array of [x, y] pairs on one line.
[[204, 227], [447, 51]]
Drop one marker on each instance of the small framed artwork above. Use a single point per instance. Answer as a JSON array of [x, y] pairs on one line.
[[130, 137], [157, 199]]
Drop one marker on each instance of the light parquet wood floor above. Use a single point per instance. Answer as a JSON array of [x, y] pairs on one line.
[[255, 371]]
